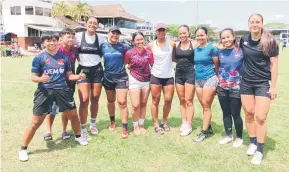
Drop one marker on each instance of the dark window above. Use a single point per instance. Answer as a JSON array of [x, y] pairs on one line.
[[39, 11], [47, 12], [33, 32], [15, 10], [29, 10]]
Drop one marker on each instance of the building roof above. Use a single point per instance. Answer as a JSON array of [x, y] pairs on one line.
[[69, 22], [109, 11]]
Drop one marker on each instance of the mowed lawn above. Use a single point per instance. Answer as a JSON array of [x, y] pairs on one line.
[[108, 152]]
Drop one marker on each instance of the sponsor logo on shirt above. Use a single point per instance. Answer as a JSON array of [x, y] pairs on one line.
[[47, 61], [54, 71], [245, 43], [60, 61]]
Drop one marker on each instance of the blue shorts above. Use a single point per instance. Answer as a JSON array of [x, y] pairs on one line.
[[54, 109]]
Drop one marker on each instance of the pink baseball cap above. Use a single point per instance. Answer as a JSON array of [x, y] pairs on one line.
[[161, 26]]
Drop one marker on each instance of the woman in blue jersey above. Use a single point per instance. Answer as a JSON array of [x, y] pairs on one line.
[[89, 90], [162, 76], [231, 60], [185, 78], [50, 69], [115, 80], [206, 79]]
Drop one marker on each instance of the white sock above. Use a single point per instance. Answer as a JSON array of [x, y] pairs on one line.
[[135, 124], [184, 122], [141, 121]]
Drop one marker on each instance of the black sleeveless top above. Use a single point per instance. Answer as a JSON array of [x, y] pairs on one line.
[[86, 48], [184, 59]]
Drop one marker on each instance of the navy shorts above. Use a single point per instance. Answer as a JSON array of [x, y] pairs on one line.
[[256, 90], [115, 82], [161, 81], [188, 78], [44, 98]]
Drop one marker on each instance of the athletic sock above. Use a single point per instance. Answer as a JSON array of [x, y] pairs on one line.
[[24, 147], [124, 126], [253, 140], [83, 126], [92, 122], [135, 124], [260, 147], [141, 122], [184, 122], [112, 118]]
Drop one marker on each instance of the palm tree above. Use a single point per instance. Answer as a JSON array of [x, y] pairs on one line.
[[79, 12], [60, 8]]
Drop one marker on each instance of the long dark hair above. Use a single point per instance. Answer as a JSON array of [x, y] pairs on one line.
[[236, 46], [268, 43], [187, 27]]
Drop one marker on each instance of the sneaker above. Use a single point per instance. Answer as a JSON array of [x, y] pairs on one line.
[[112, 126], [81, 141], [257, 158], [124, 133], [47, 137], [225, 140], [210, 131], [142, 129], [85, 135], [159, 130], [136, 130], [252, 148], [65, 135], [182, 127], [186, 131], [201, 136], [93, 130], [23, 155], [238, 143], [165, 126]]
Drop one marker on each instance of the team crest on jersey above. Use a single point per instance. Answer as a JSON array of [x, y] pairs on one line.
[[47, 61], [60, 61]]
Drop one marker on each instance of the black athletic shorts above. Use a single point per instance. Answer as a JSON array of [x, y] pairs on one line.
[[115, 82], [94, 74], [71, 85], [161, 81], [232, 93], [188, 78], [256, 90], [44, 98]]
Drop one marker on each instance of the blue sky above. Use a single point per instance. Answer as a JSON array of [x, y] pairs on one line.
[[220, 14]]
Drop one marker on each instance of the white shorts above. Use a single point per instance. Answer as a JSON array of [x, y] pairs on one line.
[[135, 84]]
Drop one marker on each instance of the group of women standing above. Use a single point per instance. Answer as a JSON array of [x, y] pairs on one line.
[[242, 75]]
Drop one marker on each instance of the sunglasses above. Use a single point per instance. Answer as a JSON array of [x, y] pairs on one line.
[[161, 30]]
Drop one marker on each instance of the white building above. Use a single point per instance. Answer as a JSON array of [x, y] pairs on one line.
[[27, 19]]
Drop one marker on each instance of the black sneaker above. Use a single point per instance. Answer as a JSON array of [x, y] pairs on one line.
[[210, 131], [65, 136], [201, 136], [165, 126], [47, 137], [159, 130]]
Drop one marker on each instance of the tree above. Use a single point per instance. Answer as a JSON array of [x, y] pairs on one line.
[[60, 8], [79, 12], [276, 25], [172, 29], [211, 31]]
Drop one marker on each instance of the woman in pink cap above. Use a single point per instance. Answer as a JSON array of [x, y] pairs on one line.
[[162, 76]]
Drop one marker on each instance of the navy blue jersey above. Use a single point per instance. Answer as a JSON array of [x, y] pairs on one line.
[[55, 66]]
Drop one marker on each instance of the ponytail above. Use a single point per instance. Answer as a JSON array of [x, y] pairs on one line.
[[268, 43]]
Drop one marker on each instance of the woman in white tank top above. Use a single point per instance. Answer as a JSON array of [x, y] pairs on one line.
[[162, 76]]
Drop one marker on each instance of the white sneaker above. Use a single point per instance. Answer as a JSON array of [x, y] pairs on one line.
[[81, 141], [85, 135], [225, 140], [186, 131], [257, 158], [23, 155], [93, 130], [238, 143], [252, 148]]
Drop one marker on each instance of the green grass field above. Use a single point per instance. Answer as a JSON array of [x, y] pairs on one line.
[[108, 152]]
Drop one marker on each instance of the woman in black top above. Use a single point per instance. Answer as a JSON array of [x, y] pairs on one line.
[[185, 78], [259, 83]]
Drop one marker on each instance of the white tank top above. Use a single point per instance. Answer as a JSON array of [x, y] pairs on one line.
[[163, 64]]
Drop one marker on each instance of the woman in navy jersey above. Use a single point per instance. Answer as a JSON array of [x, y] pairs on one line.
[[231, 62], [115, 80], [89, 90], [259, 82], [50, 70], [185, 78]]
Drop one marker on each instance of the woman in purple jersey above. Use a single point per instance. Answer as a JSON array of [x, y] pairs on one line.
[[139, 61], [50, 70]]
